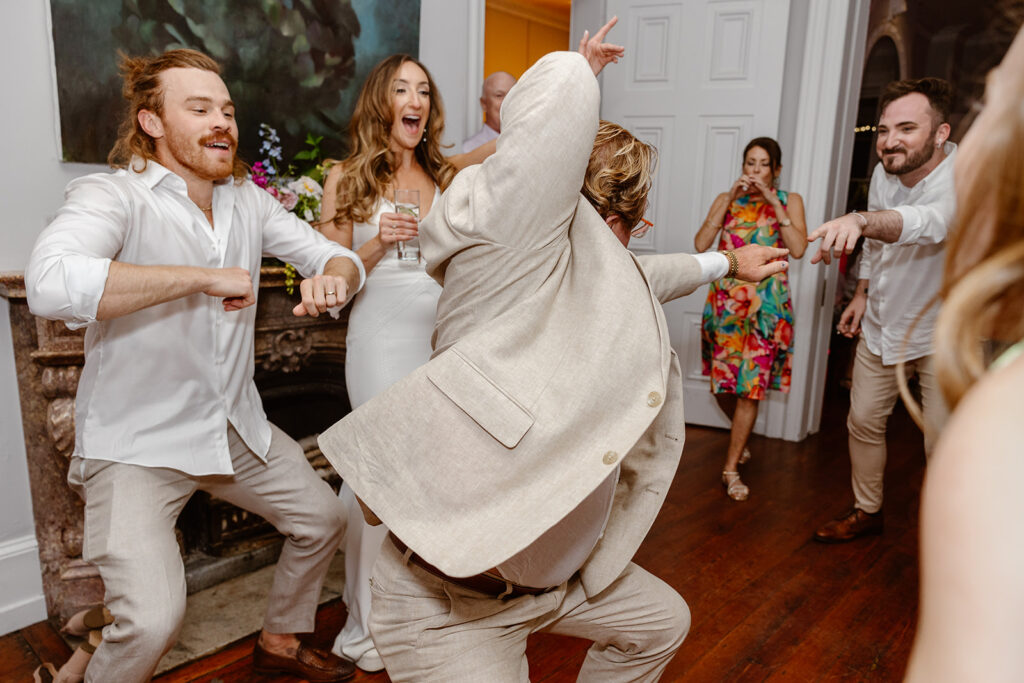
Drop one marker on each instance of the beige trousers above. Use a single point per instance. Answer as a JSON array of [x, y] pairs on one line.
[[429, 630], [130, 513], [872, 398]]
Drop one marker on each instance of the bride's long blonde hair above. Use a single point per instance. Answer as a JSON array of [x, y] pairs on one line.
[[983, 283], [369, 169]]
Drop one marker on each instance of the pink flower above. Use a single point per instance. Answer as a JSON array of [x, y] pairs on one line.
[[288, 199]]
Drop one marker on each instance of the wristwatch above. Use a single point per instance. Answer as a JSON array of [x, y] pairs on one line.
[[785, 222]]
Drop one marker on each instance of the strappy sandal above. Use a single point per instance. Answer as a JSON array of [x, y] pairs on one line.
[[73, 670], [745, 456], [87, 624], [87, 620], [734, 487]]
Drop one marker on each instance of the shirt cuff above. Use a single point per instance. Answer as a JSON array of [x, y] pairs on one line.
[[713, 265], [342, 252], [911, 224], [85, 283]]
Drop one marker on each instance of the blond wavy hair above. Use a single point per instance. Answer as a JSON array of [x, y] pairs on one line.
[[619, 174], [983, 282], [142, 88], [370, 167]]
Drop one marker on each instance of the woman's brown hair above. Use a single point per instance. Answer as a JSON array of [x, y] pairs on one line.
[[369, 169], [771, 148]]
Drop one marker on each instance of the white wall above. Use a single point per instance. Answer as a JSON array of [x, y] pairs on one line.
[[31, 186], [32, 181], [451, 47]]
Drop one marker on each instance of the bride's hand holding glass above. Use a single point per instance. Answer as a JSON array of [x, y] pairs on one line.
[[397, 227]]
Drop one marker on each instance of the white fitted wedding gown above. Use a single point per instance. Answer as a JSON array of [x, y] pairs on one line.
[[389, 330]]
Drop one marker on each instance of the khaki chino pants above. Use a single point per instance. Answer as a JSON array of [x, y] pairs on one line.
[[429, 630], [130, 512], [872, 398]]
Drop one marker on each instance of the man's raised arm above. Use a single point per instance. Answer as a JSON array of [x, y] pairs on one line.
[[525, 194]]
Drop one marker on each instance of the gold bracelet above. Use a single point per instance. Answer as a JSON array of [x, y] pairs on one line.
[[734, 263]]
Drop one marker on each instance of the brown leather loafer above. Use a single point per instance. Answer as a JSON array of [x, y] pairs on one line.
[[853, 524], [309, 663]]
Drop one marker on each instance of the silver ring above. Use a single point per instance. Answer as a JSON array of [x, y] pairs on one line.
[[330, 293]]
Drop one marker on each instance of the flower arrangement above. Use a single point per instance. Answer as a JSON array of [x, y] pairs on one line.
[[298, 189]]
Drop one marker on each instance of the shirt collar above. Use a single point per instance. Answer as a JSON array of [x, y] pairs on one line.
[[153, 174], [156, 173]]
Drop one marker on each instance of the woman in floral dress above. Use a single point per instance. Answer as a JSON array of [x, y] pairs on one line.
[[747, 332]]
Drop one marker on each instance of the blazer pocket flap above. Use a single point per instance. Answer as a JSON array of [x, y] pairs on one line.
[[479, 397]]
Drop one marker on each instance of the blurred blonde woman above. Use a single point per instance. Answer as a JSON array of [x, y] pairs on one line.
[[395, 140], [972, 539]]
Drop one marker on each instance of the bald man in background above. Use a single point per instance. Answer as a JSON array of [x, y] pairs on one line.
[[491, 97]]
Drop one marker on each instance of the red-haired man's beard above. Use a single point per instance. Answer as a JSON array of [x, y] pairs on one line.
[[211, 157]]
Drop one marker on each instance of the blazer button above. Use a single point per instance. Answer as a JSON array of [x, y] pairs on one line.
[[610, 457], [654, 399]]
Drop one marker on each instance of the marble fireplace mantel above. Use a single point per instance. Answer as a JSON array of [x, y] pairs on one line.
[[293, 355]]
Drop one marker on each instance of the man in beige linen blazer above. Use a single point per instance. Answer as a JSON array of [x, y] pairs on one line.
[[552, 368]]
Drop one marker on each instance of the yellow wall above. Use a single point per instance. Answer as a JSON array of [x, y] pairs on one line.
[[518, 33]]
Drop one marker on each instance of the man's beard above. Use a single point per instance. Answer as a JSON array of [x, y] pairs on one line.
[[190, 154], [914, 159]]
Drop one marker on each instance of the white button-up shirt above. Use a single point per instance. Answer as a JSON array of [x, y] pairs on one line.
[[160, 385], [485, 134], [906, 275]]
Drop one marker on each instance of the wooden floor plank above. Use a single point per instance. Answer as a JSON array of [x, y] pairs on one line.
[[46, 643], [17, 660]]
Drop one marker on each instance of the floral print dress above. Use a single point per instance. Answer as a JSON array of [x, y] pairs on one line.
[[747, 331]]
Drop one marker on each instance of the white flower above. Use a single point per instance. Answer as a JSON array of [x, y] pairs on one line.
[[308, 215], [306, 186]]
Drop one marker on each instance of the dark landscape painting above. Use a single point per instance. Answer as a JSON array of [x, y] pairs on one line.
[[296, 65]]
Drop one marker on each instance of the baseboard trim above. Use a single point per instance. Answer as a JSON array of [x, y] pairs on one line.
[[21, 594]]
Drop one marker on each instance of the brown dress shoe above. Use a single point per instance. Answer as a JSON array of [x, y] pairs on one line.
[[853, 524], [309, 663]]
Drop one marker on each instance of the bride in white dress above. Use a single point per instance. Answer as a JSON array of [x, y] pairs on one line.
[[395, 135]]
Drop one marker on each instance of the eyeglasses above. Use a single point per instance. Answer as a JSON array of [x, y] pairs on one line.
[[641, 229]]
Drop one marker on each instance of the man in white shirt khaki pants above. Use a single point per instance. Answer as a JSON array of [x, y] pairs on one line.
[[160, 263], [910, 207]]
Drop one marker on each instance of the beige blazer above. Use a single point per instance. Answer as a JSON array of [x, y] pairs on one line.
[[552, 362]]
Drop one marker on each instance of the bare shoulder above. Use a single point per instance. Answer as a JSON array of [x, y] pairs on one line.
[[333, 175], [972, 543], [975, 477], [987, 417], [795, 198]]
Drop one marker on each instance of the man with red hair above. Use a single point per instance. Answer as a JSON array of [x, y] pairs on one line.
[[160, 263]]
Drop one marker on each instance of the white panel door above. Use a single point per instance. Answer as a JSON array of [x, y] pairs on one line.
[[699, 80]]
